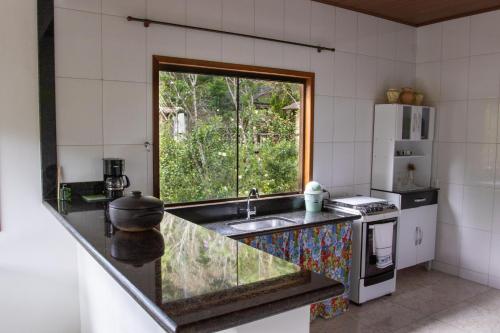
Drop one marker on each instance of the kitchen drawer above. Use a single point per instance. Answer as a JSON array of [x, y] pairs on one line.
[[418, 199]]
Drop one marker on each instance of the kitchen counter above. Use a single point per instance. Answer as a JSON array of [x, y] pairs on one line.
[[301, 218], [189, 278]]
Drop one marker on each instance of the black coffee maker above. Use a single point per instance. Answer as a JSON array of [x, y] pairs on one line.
[[115, 182]]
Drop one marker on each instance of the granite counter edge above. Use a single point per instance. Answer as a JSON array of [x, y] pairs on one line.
[[150, 307]]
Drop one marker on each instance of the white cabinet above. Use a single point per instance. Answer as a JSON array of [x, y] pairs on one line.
[[412, 122], [403, 136], [417, 236], [427, 224]]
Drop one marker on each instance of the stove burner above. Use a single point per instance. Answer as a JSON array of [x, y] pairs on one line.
[[363, 205]]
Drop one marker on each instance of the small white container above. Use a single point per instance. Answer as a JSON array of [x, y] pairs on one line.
[[313, 196]]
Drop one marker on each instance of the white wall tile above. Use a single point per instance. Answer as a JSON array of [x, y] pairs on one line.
[[429, 41], [296, 57], [478, 207], [322, 24], [123, 50], [475, 250], [322, 64], [497, 175], [79, 111], [322, 163], [452, 121], [470, 275], [167, 41], [149, 113], [404, 74], [456, 38], [268, 54], [495, 256], [451, 164], [164, 41], [366, 77], [484, 76], [496, 212], [173, 11], [203, 45], [406, 43], [428, 80], [480, 164], [367, 35], [80, 163], [136, 164], [364, 120], [447, 244], [345, 30], [323, 119], [124, 8], [344, 119], [204, 13], [341, 191], [450, 203], [454, 79], [124, 112], [386, 47], [362, 162], [385, 77], [362, 189], [77, 44], [238, 16], [270, 18], [88, 5], [238, 50], [345, 74], [485, 33], [343, 164], [298, 20], [482, 120]]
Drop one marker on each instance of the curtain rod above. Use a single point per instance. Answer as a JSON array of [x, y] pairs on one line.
[[147, 22]]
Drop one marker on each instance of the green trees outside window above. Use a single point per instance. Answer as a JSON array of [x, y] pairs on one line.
[[222, 135]]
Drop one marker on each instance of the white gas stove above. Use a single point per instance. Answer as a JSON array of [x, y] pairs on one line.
[[370, 279], [370, 209]]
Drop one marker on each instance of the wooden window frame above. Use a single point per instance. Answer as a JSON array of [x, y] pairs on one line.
[[164, 63]]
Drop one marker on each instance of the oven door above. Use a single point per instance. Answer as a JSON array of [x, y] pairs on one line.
[[370, 272]]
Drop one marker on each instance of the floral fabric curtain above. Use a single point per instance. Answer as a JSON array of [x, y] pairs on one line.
[[325, 249]]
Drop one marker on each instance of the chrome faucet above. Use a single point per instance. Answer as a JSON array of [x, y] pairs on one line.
[[255, 194]]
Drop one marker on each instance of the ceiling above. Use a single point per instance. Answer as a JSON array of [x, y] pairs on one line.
[[417, 12]]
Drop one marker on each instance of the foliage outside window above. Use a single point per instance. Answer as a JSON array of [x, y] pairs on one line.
[[220, 135]]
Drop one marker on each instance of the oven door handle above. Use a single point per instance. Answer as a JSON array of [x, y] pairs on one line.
[[371, 227]]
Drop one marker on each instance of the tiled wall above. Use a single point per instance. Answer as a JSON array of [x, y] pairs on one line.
[[458, 67], [103, 68]]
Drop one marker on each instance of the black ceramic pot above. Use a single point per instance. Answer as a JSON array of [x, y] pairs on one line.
[[137, 248], [136, 212]]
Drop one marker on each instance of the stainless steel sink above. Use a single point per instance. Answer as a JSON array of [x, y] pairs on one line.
[[261, 223]]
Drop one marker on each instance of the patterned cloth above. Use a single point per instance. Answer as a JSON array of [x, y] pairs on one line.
[[325, 249]]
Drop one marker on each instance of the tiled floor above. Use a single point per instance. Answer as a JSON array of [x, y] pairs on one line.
[[424, 302]]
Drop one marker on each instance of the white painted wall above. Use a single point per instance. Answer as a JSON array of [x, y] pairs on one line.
[[103, 65], [458, 68], [38, 281]]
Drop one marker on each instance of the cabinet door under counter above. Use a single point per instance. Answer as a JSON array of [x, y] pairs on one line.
[[417, 225]]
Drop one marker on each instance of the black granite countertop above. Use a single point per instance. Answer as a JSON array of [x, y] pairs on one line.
[[301, 218], [190, 278]]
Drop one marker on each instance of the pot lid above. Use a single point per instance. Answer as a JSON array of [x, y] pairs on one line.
[[313, 188], [136, 201]]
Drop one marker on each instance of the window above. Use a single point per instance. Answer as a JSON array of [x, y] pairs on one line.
[[222, 129]]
